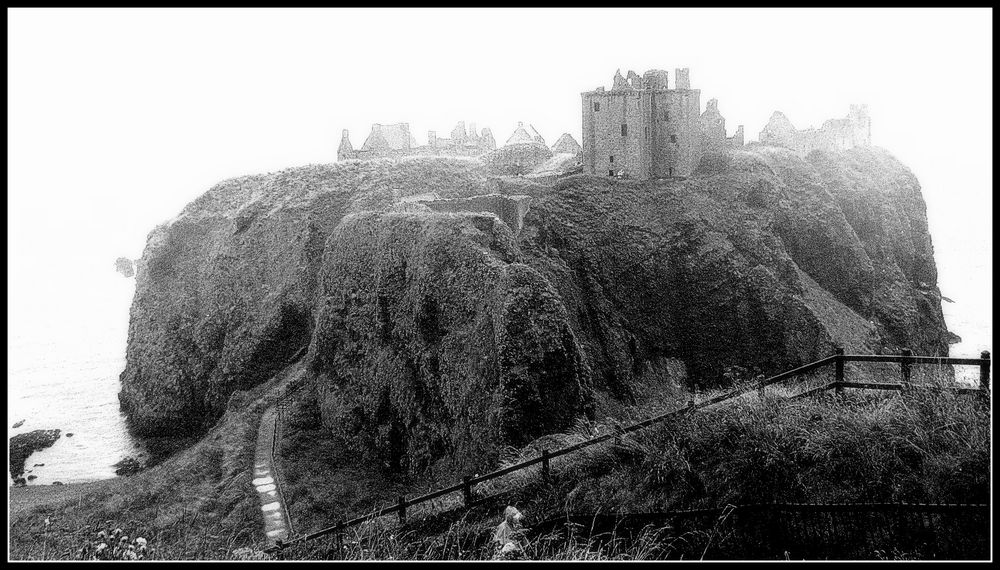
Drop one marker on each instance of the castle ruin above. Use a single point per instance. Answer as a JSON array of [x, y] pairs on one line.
[[643, 129], [395, 141], [834, 135]]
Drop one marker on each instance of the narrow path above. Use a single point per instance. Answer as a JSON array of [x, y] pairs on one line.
[[276, 524]]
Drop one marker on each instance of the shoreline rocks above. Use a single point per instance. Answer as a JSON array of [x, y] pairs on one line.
[[128, 466], [23, 445]]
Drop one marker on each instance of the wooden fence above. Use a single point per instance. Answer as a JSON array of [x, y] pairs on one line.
[[466, 487]]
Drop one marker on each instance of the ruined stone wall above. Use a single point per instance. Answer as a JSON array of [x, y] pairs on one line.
[[737, 138], [835, 134]]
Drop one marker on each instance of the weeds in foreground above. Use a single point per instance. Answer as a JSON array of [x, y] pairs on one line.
[[926, 445], [114, 545]]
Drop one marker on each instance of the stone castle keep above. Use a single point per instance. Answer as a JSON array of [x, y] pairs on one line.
[[642, 128]]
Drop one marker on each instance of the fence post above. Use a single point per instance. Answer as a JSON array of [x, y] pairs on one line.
[[760, 387], [984, 371], [838, 375], [467, 490], [545, 466], [402, 509], [904, 367]]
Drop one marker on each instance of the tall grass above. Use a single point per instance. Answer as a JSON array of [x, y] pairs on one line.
[[924, 445]]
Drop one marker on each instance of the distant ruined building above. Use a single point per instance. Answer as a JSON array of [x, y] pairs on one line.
[[643, 129], [834, 135], [713, 129], [395, 141], [524, 151], [461, 143], [523, 135], [566, 144]]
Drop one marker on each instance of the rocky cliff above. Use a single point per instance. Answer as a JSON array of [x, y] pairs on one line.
[[446, 334]]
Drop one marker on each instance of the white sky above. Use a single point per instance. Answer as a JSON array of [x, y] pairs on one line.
[[118, 118]]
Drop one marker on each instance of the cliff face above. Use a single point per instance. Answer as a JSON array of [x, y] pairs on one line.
[[761, 259], [225, 292], [436, 334], [433, 339]]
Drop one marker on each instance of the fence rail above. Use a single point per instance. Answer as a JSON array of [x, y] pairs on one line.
[[838, 359]]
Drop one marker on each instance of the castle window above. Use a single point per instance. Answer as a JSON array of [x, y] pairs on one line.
[[611, 159], [670, 171], [597, 106], [624, 130], [673, 138]]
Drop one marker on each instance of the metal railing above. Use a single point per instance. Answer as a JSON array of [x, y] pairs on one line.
[[906, 360]]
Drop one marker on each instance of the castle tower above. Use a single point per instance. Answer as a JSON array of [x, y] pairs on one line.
[[345, 151], [655, 79], [643, 132], [682, 79], [458, 134], [713, 127]]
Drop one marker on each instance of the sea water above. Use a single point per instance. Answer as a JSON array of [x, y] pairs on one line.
[[62, 373]]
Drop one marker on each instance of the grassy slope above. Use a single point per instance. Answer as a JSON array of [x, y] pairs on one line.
[[197, 504], [868, 447]]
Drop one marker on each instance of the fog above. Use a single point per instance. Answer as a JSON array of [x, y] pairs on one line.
[[118, 118]]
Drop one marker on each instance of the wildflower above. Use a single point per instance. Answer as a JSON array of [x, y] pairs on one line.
[[140, 541], [47, 523]]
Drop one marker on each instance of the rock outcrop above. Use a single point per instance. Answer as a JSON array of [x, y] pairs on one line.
[[432, 338], [125, 266], [23, 445], [435, 334]]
